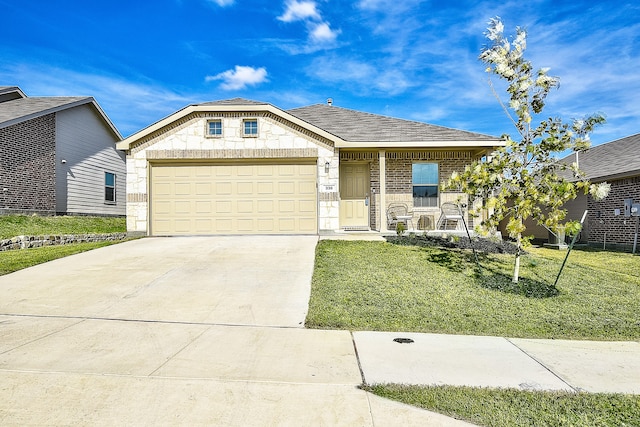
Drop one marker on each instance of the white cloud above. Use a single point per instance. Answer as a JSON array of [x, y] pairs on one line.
[[223, 3], [322, 33], [299, 11], [240, 77]]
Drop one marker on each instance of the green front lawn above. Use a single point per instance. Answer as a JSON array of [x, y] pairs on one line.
[[508, 408], [360, 285], [33, 225], [18, 259]]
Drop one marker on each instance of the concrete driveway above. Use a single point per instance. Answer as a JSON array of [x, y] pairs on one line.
[[180, 331]]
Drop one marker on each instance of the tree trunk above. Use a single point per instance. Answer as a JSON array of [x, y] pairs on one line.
[[516, 267]]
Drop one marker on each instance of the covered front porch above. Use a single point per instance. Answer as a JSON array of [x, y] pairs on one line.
[[373, 183]]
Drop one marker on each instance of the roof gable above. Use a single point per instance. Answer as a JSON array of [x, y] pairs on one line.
[[613, 159], [345, 128], [23, 108]]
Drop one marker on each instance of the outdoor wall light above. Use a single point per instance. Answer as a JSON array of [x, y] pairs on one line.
[[327, 165], [63, 161]]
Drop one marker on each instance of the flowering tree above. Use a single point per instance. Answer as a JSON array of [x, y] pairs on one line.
[[523, 179]]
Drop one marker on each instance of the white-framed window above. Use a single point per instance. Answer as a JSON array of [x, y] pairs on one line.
[[214, 128], [109, 188], [425, 184], [250, 127]]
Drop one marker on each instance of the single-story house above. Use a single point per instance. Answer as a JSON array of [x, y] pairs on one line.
[[58, 156], [241, 167], [617, 163]]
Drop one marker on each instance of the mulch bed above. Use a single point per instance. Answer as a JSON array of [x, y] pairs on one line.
[[489, 246]]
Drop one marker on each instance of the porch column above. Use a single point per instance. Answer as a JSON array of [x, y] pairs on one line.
[[382, 161]]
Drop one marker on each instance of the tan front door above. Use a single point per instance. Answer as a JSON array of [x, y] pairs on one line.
[[354, 196], [238, 198]]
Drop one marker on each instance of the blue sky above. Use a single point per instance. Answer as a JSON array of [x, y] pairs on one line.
[[410, 59]]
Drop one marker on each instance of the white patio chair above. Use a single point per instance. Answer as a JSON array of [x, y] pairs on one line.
[[398, 212], [449, 212]]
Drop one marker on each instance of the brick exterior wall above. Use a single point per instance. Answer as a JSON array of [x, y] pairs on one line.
[[619, 230], [399, 179], [27, 166]]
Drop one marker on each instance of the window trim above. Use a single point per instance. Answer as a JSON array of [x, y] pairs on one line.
[[244, 128], [207, 129], [434, 201], [110, 187]]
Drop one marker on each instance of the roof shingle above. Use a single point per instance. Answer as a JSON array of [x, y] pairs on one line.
[[25, 108], [613, 159], [357, 126]]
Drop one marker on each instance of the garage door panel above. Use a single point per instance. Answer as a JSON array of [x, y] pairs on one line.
[[265, 188], [245, 207], [307, 206], [223, 187], [233, 199], [245, 171], [286, 188], [203, 207], [286, 207], [223, 207], [308, 188], [307, 225], [203, 225], [244, 188], [265, 206], [265, 225]]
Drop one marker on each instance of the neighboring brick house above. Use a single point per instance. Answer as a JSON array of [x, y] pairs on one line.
[[58, 156], [242, 167], [618, 163]]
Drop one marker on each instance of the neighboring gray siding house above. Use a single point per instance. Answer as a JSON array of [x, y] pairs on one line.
[[58, 156], [618, 163], [241, 167]]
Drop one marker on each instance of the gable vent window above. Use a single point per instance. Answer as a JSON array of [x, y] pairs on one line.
[[250, 127], [109, 188], [214, 128]]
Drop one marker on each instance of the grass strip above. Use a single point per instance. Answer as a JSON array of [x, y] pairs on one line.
[[34, 225], [15, 260], [510, 407]]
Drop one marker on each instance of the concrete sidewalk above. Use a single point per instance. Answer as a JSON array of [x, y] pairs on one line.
[[525, 364]]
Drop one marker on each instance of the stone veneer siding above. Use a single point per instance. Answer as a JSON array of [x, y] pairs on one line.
[[619, 230], [186, 140], [27, 166], [27, 242]]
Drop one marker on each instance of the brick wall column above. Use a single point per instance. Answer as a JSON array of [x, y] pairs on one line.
[[383, 190]]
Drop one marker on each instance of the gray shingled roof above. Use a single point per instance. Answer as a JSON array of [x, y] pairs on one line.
[[617, 159], [357, 126], [235, 101], [19, 110]]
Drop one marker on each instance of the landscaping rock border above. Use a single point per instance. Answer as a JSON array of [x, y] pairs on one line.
[[26, 242]]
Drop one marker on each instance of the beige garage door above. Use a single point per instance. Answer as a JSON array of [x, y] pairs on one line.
[[233, 199]]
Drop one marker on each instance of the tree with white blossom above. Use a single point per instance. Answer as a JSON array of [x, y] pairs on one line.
[[524, 179]]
